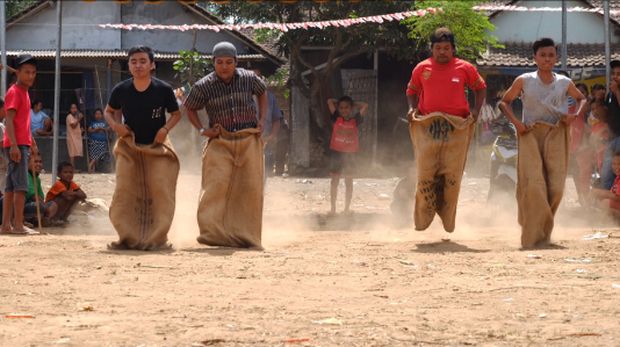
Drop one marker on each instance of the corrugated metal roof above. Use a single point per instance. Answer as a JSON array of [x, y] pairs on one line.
[[118, 53]]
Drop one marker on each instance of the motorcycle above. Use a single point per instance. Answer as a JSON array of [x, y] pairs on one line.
[[503, 173]]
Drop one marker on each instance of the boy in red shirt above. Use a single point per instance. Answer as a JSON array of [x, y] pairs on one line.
[[65, 193], [344, 145], [18, 144], [441, 126]]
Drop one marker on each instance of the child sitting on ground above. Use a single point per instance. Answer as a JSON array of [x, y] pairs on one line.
[[609, 200], [344, 145], [65, 193], [47, 210]]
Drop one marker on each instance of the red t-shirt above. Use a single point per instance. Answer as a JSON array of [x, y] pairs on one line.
[[17, 99], [441, 87]]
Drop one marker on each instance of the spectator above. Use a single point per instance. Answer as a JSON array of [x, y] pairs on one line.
[[40, 122], [75, 147], [64, 193], [97, 140], [612, 107], [47, 210]]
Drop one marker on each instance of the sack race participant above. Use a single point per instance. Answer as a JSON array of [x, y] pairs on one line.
[[441, 127], [147, 167], [543, 142], [230, 211], [440, 143]]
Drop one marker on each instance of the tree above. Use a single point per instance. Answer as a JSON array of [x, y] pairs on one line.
[[13, 7], [471, 28], [343, 44]]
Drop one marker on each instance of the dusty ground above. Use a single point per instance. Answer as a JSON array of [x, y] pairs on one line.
[[355, 281]]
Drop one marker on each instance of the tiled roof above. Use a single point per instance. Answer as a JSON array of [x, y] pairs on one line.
[[520, 55], [116, 53], [614, 5]]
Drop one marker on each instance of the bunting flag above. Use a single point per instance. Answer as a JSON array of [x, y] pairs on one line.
[[279, 26]]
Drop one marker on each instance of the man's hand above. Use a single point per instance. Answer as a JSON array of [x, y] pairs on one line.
[[410, 114], [121, 130], [260, 126], [161, 136], [521, 128], [613, 87], [15, 154], [212, 132]]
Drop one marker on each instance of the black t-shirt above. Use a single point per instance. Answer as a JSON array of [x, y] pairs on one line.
[[144, 112], [613, 116]]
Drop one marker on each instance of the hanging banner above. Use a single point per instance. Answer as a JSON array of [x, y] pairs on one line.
[[279, 26]]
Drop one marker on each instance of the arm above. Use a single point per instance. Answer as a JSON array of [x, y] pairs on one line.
[[14, 153], [578, 96], [362, 107], [480, 97], [193, 118], [74, 122], [512, 93], [262, 110], [172, 121], [79, 194], [113, 117], [332, 104], [412, 100]]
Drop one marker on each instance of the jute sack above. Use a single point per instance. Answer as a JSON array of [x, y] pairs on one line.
[[143, 204], [440, 144], [542, 166], [230, 211]]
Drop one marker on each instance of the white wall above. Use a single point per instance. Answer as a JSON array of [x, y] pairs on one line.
[[529, 26], [79, 32], [169, 12]]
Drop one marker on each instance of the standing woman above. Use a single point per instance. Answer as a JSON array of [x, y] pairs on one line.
[[74, 134]]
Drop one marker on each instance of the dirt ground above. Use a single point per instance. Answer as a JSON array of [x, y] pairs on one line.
[[344, 281]]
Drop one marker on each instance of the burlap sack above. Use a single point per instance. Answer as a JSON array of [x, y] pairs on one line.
[[143, 204], [230, 211], [440, 143], [542, 165]]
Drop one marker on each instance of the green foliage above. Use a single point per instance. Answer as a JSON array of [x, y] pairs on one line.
[[13, 7], [279, 79], [191, 66], [471, 28]]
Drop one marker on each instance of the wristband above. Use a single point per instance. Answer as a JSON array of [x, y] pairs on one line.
[[202, 130]]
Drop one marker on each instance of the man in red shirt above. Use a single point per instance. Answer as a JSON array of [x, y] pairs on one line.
[[441, 126], [18, 144]]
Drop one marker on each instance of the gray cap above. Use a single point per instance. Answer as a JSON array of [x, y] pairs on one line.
[[224, 49]]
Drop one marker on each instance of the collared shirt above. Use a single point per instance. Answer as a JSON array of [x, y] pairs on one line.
[[228, 104], [441, 87]]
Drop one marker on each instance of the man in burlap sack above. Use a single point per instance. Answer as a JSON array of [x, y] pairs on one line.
[[230, 211], [441, 126], [543, 142], [147, 167]]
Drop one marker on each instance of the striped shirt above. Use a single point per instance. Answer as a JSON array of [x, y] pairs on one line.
[[228, 104]]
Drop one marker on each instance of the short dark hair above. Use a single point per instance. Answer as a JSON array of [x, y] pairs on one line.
[[63, 165], [614, 64], [598, 86], [543, 42], [616, 154], [345, 98], [442, 34], [36, 101], [98, 109], [141, 49]]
